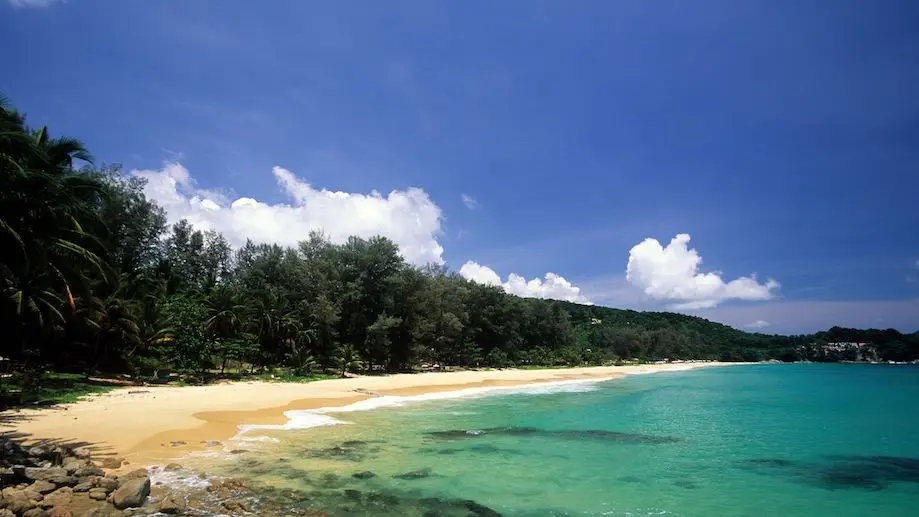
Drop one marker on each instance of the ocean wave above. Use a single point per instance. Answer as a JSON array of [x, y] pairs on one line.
[[304, 419], [309, 418]]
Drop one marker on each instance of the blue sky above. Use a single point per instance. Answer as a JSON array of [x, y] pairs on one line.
[[523, 137]]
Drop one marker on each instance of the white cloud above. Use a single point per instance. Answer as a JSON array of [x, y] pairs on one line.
[[672, 273], [408, 217], [470, 202], [758, 324], [553, 286], [34, 3]]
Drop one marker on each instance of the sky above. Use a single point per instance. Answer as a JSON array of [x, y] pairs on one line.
[[755, 163]]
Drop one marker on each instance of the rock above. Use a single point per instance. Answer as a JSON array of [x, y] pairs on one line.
[[134, 474], [111, 463], [131, 494], [38, 473], [173, 504], [34, 512], [172, 467], [4, 512], [82, 452], [59, 511], [43, 487], [227, 487], [415, 474], [64, 480], [351, 493], [98, 494], [107, 484], [86, 472], [39, 452], [20, 500], [363, 475], [480, 509], [238, 451], [60, 497], [177, 443], [235, 507], [85, 486], [74, 464]]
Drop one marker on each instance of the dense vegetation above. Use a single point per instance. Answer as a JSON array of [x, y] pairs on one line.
[[94, 280]]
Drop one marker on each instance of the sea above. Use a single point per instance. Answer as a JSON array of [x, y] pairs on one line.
[[784, 440]]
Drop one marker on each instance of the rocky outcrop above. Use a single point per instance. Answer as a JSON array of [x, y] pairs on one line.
[[173, 504], [55, 481], [132, 493]]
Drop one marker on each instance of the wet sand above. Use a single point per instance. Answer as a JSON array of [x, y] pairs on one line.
[[151, 425]]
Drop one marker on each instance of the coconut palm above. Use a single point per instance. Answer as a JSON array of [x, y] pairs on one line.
[[348, 359]]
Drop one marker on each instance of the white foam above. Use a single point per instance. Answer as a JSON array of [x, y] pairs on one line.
[[309, 418], [295, 420]]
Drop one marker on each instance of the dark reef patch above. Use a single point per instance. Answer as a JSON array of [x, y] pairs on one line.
[[352, 450], [415, 474], [856, 472], [588, 434]]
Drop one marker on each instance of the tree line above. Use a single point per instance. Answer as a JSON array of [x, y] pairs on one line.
[[95, 280]]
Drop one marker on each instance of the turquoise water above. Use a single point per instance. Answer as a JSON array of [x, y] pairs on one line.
[[763, 440]]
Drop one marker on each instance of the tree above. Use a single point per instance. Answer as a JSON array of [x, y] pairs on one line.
[[348, 359]]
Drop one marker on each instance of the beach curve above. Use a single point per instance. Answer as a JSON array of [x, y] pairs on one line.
[[153, 425]]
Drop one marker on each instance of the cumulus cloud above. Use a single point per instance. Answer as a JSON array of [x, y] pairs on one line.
[[408, 217], [470, 202], [758, 324], [34, 3], [671, 273], [553, 286]]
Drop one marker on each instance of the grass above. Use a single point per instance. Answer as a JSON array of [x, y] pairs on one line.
[[52, 388], [289, 377]]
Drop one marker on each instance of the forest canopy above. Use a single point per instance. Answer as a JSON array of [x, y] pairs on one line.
[[95, 280]]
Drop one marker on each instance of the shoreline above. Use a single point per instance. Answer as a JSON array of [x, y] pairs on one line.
[[154, 425]]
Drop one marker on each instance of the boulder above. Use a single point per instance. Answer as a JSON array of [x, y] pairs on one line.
[[74, 464], [98, 494], [89, 471], [363, 475], [134, 474], [18, 501], [132, 493], [82, 452], [34, 512], [39, 474], [235, 507], [107, 483], [60, 497], [4, 512], [172, 467], [43, 487], [111, 463], [63, 480], [85, 486], [173, 504]]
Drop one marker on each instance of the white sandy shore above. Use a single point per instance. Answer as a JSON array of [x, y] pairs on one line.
[[136, 422]]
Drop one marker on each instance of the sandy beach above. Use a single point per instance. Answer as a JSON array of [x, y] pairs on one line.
[[151, 425]]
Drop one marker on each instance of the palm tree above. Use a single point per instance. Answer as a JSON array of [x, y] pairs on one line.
[[44, 206], [112, 325], [348, 359]]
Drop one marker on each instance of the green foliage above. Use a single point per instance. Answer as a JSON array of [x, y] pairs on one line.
[[191, 349], [92, 279]]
